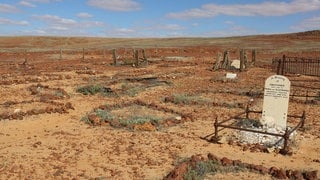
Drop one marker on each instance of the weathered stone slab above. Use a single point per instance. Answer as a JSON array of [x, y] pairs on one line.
[[276, 101]]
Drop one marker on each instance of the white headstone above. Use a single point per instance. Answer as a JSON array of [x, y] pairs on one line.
[[276, 100], [231, 75], [235, 64]]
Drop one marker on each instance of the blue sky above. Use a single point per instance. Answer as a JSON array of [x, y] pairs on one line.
[[157, 18]]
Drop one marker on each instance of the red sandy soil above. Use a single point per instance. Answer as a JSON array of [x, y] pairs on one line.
[[48, 140]]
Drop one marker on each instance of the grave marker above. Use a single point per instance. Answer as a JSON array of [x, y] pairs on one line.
[[276, 101]]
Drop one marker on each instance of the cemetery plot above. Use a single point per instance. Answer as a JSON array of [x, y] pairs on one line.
[[42, 99], [136, 115], [147, 120]]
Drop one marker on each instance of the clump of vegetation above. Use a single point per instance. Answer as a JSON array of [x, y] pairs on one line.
[[187, 99], [131, 89], [202, 168], [94, 89], [100, 116], [104, 115], [138, 119]]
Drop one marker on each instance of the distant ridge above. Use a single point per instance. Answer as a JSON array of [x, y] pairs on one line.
[[307, 39]]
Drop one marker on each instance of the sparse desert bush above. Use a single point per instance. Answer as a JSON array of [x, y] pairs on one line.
[[86, 120], [131, 89], [105, 115], [135, 119], [187, 99], [202, 168], [94, 89]]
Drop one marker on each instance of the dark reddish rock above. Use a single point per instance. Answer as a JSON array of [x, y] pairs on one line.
[[237, 163], [226, 162], [311, 175], [280, 174], [296, 175], [261, 169], [59, 110], [212, 157], [195, 159], [169, 99], [69, 106], [178, 172], [5, 115], [42, 111], [49, 110], [94, 119]]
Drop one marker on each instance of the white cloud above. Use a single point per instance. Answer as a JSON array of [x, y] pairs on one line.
[[307, 24], [43, 1], [262, 9], [26, 4], [13, 22], [84, 15], [233, 30], [7, 8], [56, 20], [55, 25], [172, 27], [115, 5]]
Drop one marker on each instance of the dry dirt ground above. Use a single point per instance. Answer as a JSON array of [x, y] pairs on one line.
[[43, 133]]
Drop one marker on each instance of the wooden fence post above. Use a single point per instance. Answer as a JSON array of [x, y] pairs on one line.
[[254, 55], [226, 63], [245, 59], [136, 56], [218, 62], [145, 60], [82, 53], [241, 59], [114, 55], [60, 54], [279, 66]]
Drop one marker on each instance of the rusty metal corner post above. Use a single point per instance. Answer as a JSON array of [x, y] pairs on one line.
[[283, 64], [215, 138], [285, 148]]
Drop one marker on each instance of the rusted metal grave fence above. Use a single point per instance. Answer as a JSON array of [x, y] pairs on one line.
[[296, 65], [222, 125]]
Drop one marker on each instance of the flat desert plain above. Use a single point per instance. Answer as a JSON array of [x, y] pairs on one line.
[[72, 114]]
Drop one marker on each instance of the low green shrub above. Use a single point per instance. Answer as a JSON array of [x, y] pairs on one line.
[[94, 89], [189, 99]]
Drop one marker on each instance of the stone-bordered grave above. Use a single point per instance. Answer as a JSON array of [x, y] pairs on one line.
[[136, 115], [42, 100]]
